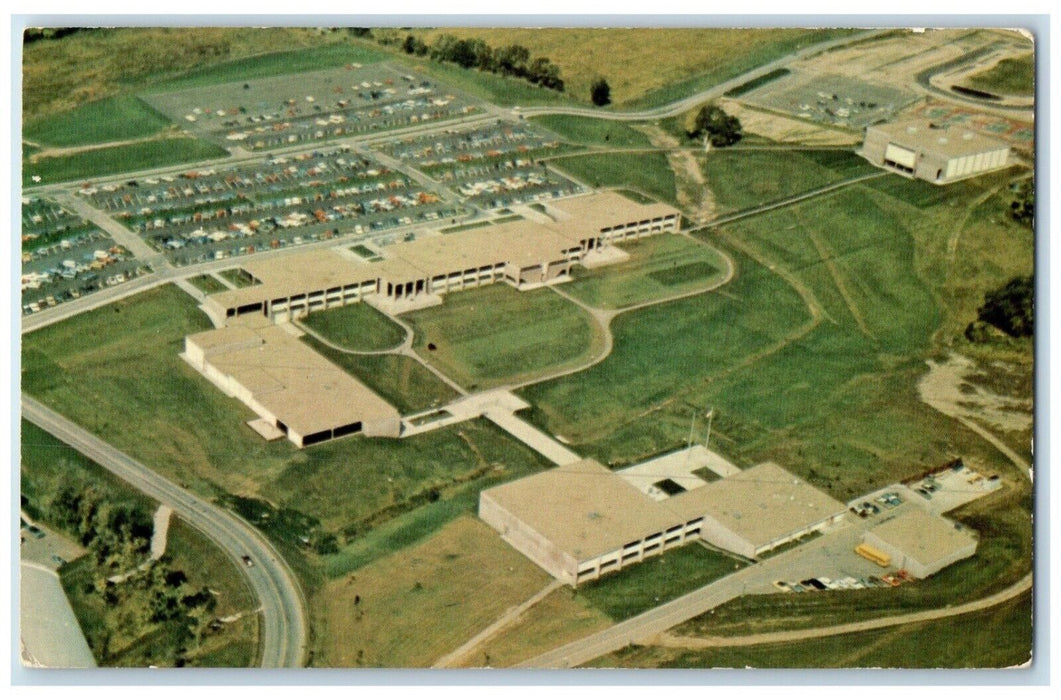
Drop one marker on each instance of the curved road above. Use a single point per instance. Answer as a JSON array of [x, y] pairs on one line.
[[283, 616]]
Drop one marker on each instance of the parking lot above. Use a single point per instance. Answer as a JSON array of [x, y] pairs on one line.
[[213, 213], [831, 99], [489, 166], [64, 257], [264, 113]]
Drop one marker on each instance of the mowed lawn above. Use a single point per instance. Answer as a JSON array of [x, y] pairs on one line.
[[111, 119], [835, 400], [741, 179], [659, 267], [141, 155], [356, 327], [495, 335], [998, 637], [648, 172], [116, 371], [1010, 76], [593, 132], [411, 608]]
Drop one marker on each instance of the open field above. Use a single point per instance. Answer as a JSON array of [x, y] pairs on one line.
[[495, 334], [849, 380], [736, 177], [659, 267], [127, 59], [594, 132], [356, 327], [646, 67], [409, 609], [110, 119], [47, 465], [996, 638], [557, 619], [1010, 76], [647, 172], [632, 591], [401, 380], [141, 155]]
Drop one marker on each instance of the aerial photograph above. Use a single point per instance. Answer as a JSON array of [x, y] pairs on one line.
[[466, 347]]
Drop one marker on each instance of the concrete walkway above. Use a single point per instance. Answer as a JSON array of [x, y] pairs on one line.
[[533, 438], [161, 531]]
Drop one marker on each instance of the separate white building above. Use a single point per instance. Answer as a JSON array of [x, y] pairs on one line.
[[922, 543], [941, 155]]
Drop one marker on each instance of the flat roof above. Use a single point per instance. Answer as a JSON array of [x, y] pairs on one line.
[[760, 504], [951, 141], [291, 381], [522, 243], [922, 536], [288, 275], [595, 211], [583, 508]]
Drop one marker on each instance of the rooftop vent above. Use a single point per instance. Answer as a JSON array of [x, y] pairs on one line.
[[968, 136]]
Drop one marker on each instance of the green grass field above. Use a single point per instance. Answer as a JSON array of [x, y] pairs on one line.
[[109, 119], [495, 335], [131, 367], [827, 400], [1010, 76], [238, 277], [356, 327], [208, 284], [632, 591], [999, 637], [119, 159], [659, 267], [404, 382], [648, 172], [743, 179], [593, 132]]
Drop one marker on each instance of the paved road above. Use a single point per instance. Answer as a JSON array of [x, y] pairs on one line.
[[283, 615]]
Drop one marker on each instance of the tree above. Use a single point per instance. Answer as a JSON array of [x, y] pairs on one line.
[[1011, 309], [720, 128], [1022, 208], [600, 92], [409, 45]]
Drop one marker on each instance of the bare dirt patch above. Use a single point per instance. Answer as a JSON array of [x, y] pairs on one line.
[[694, 196], [953, 387]]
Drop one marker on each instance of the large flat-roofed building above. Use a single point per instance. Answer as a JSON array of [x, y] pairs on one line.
[[292, 388], [580, 520], [758, 509], [922, 543], [583, 520], [939, 155], [524, 253]]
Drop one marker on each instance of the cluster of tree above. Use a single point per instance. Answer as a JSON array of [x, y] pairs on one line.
[[512, 60], [1010, 309], [600, 92], [1022, 208], [721, 129], [138, 594], [33, 34]]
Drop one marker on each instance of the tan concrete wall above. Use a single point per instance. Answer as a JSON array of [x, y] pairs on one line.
[[528, 542], [382, 427], [714, 532]]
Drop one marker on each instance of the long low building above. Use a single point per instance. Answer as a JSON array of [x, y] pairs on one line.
[[522, 253], [292, 388], [922, 543], [941, 155], [581, 521]]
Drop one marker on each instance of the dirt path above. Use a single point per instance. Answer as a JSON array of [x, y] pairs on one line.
[[694, 196], [667, 639], [57, 151], [509, 617], [827, 257]]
